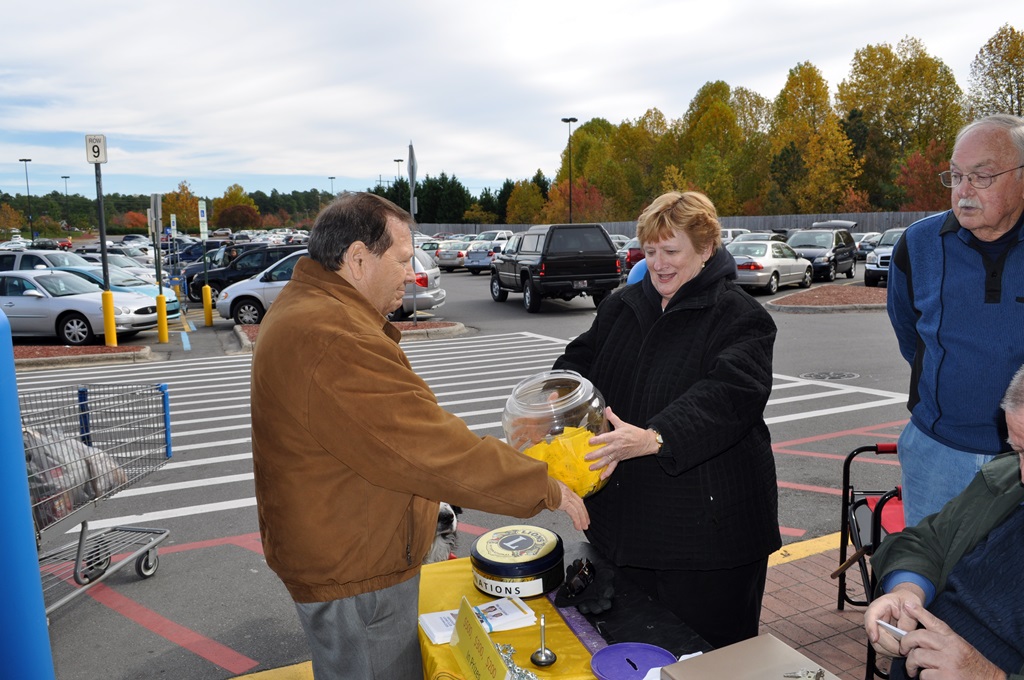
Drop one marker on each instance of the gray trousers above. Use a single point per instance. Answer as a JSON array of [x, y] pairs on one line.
[[373, 635]]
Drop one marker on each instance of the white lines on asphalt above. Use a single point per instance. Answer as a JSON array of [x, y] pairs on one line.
[[180, 486], [804, 415], [800, 382], [215, 419], [181, 448], [210, 430], [159, 515], [213, 460], [208, 409]]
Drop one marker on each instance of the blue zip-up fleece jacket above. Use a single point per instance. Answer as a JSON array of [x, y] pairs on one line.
[[959, 319]]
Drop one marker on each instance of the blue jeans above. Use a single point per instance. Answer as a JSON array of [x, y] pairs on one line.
[[933, 473]]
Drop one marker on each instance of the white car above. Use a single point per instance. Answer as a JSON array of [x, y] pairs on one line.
[[49, 303], [248, 301]]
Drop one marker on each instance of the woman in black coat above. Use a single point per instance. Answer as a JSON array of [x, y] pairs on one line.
[[684, 361]]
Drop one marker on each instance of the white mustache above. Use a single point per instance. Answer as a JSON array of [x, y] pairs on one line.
[[967, 203]]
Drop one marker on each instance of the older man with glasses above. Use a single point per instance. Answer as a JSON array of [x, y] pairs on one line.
[[956, 302]]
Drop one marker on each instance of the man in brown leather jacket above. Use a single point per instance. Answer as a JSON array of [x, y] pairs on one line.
[[352, 453]]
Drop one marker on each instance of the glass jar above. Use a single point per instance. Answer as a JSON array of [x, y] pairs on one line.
[[551, 416]]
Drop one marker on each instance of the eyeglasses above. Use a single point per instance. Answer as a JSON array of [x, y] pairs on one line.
[[952, 179]]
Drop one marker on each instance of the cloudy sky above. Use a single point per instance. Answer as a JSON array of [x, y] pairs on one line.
[[283, 95]]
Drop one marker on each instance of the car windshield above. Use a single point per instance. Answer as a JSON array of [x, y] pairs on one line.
[[125, 279], [119, 260], [751, 249], [59, 284], [487, 236], [819, 240], [65, 260], [480, 246], [890, 237]]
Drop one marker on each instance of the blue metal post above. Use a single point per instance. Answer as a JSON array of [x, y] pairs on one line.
[[25, 645]]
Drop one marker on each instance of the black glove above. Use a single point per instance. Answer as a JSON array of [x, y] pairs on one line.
[[587, 587]]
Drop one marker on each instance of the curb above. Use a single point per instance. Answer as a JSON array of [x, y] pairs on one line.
[[131, 357], [450, 330], [822, 309]]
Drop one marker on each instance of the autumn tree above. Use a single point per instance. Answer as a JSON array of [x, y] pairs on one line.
[[919, 179], [132, 220], [524, 204], [932, 102], [801, 107], [997, 74], [239, 217], [831, 170], [233, 195], [588, 205], [184, 205], [10, 218], [477, 215]]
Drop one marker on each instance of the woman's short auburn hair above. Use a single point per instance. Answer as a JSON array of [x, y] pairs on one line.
[[689, 212]]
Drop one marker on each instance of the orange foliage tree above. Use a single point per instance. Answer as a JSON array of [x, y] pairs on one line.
[[919, 179], [588, 205]]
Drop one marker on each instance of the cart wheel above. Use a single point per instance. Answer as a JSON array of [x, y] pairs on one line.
[[146, 564]]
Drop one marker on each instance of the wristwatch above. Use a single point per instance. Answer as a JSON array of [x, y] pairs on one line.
[[658, 438]]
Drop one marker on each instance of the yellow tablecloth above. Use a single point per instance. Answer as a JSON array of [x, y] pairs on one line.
[[442, 586]]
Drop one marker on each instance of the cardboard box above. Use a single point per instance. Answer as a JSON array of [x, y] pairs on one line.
[[762, 658]]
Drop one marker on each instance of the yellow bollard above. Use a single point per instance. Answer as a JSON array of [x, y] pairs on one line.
[[109, 327], [161, 319], [207, 306]]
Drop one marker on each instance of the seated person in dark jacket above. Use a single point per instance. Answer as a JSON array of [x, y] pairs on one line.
[[684, 362], [955, 580]]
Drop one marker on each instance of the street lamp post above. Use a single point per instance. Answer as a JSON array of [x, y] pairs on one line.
[[570, 121], [332, 185], [398, 163], [67, 215], [28, 195]]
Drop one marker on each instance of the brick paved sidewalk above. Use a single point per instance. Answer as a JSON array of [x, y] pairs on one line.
[[800, 609]]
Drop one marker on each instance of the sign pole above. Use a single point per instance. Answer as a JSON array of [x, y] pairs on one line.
[[96, 153]]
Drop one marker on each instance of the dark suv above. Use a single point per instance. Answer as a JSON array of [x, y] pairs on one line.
[[831, 251], [556, 261], [250, 262]]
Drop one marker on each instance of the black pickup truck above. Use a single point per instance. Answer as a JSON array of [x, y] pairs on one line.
[[556, 261]]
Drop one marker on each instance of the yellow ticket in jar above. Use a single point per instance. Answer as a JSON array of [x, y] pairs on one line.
[[564, 455]]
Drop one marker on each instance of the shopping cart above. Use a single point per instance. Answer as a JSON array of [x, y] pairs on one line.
[[83, 444]]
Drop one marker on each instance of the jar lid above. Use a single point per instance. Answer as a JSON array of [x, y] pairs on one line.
[[516, 551], [548, 393]]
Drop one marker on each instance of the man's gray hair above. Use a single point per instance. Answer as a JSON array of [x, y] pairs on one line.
[[1013, 400], [1014, 126]]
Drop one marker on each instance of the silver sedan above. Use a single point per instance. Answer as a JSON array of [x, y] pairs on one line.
[[50, 303], [769, 264]]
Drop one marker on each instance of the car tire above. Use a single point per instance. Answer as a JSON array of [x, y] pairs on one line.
[[870, 281], [214, 293], [853, 270], [74, 329], [449, 269], [248, 312], [598, 297], [773, 284], [531, 298], [399, 315], [805, 282], [474, 272], [830, 275], [497, 293], [195, 291]]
